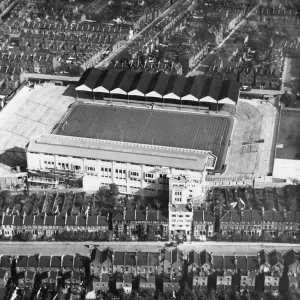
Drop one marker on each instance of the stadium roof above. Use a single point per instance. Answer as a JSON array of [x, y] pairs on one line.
[[160, 85], [112, 150]]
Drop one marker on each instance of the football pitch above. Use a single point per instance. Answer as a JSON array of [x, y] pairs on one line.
[[149, 126]]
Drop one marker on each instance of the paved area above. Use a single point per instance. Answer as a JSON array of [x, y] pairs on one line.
[[218, 248], [29, 113], [255, 120]]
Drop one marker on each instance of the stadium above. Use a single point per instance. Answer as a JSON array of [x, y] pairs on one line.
[[133, 146]]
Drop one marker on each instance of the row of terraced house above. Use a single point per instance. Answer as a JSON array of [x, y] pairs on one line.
[[262, 78], [166, 269], [164, 224]]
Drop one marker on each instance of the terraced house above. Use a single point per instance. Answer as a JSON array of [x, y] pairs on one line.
[[203, 224], [44, 225], [137, 223], [254, 222]]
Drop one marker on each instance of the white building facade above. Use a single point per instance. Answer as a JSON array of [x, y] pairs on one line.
[[135, 168]]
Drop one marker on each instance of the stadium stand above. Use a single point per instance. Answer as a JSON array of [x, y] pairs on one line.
[[157, 88]]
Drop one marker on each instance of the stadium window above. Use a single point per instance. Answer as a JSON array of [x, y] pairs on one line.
[[149, 175]]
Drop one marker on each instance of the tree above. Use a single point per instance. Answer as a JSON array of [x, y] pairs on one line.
[[147, 294], [101, 235], [266, 236], [114, 190], [26, 236], [185, 293], [109, 235], [6, 197]]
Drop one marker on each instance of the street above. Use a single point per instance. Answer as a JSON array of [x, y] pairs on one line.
[[60, 248]]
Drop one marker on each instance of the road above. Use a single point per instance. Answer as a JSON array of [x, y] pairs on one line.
[[212, 53], [106, 61], [218, 248]]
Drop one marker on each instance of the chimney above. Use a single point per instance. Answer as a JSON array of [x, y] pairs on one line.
[[66, 217], [223, 260], [124, 213], [24, 216], [112, 260], [235, 261], [147, 213], [136, 256]]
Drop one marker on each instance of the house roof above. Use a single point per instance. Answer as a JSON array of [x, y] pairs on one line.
[[291, 257], [29, 220], [275, 257], [263, 256], [5, 261], [67, 261], [55, 261], [30, 275], [22, 261], [3, 273], [172, 255], [252, 263], [78, 261], [45, 261], [203, 215], [33, 261]]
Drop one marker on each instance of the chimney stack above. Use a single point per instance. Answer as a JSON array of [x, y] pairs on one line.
[[235, 261], [124, 213], [24, 216]]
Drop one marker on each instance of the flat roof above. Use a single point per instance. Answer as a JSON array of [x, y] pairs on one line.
[[149, 127], [115, 150], [288, 140]]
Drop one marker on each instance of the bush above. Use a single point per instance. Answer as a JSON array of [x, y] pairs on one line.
[[25, 236]]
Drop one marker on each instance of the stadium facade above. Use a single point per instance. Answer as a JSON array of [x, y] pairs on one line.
[[133, 167]]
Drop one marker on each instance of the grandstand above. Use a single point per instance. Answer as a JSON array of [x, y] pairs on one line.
[[159, 88]]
